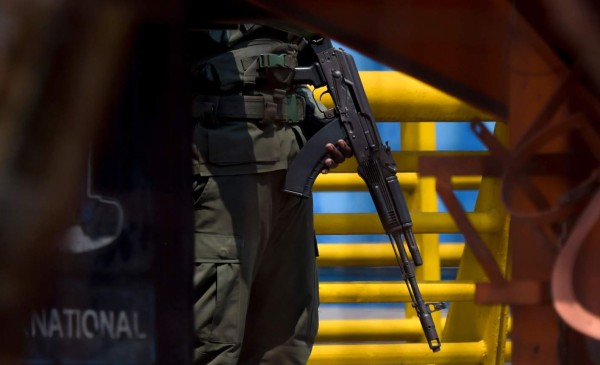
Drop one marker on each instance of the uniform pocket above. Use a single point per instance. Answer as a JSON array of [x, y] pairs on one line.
[[217, 286]]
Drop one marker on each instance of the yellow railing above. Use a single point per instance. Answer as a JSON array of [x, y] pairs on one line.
[[378, 254], [470, 333]]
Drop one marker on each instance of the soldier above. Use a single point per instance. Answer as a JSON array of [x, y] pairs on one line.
[[255, 285]]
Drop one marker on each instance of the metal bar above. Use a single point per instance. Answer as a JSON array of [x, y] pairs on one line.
[[423, 222], [533, 83], [378, 254], [396, 96], [393, 354], [352, 182], [353, 330], [372, 292], [476, 244], [372, 329], [411, 161], [347, 181], [489, 323]]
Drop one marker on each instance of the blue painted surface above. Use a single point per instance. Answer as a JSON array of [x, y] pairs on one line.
[[457, 136], [380, 273]]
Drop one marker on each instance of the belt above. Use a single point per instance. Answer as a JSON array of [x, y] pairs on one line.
[[280, 107]]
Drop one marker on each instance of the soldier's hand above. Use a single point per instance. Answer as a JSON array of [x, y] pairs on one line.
[[336, 154]]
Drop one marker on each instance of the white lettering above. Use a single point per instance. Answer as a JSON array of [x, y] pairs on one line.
[[136, 328], [107, 324], [38, 321], [85, 324], [77, 323], [123, 325], [55, 325], [69, 313]]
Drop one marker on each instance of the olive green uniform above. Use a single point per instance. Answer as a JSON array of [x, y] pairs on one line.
[[255, 284]]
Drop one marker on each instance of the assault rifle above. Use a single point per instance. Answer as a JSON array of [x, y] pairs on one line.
[[354, 122]]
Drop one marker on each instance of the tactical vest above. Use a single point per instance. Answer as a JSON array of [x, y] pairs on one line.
[[252, 81], [246, 108]]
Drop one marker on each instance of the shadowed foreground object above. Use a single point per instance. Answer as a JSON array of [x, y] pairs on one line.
[[509, 62]]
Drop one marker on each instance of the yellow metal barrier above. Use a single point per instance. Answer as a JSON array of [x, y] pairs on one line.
[[489, 323], [352, 182], [408, 161], [378, 254], [391, 354], [369, 223], [370, 330], [397, 96], [385, 292], [422, 137], [353, 330], [470, 333], [394, 354]]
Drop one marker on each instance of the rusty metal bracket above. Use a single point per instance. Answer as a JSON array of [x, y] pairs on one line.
[[442, 168], [498, 290], [547, 216], [515, 292], [541, 131]]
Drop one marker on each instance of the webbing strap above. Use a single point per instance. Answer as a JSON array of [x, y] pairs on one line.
[[272, 101], [284, 109], [277, 60]]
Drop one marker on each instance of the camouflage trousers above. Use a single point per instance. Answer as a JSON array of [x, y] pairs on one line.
[[255, 283]]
